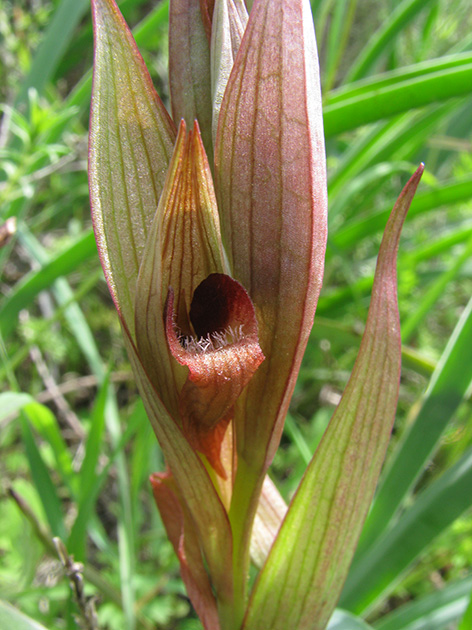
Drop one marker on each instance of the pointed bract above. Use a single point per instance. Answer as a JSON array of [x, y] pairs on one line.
[[207, 7], [181, 532], [193, 482], [131, 142], [130, 146], [271, 188], [189, 68], [183, 248], [229, 23]]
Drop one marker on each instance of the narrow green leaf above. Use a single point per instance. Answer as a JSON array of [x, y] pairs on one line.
[[386, 79], [379, 42], [321, 10], [11, 617], [45, 423], [93, 443], [301, 581], [294, 433], [53, 45], [339, 30], [466, 621], [146, 454], [42, 481], [446, 390], [343, 620], [36, 281], [156, 21], [387, 559], [447, 193], [76, 543], [12, 402], [131, 140], [382, 102], [189, 69], [437, 611], [428, 34]]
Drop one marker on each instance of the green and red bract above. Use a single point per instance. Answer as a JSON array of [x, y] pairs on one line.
[[271, 189], [183, 536], [211, 230], [189, 67]]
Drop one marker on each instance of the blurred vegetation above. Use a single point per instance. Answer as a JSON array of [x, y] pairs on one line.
[[76, 449]]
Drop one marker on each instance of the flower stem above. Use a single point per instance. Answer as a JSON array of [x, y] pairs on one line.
[[246, 491]]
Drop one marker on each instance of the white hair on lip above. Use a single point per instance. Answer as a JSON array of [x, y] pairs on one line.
[[213, 341]]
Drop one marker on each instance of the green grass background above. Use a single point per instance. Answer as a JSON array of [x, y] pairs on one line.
[[76, 448]]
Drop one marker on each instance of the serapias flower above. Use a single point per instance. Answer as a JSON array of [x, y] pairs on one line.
[[215, 319], [188, 310], [212, 239], [203, 307]]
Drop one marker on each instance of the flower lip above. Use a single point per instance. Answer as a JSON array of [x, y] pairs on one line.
[[222, 357], [222, 315]]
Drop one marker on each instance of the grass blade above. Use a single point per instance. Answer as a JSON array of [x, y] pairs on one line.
[[434, 293], [386, 34], [93, 443], [28, 288], [10, 617], [53, 46], [386, 560], [341, 23], [447, 194], [77, 539], [378, 103], [466, 621], [387, 79], [45, 423], [446, 390], [437, 611], [42, 480]]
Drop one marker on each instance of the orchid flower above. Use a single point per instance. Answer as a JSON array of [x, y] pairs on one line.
[[211, 230]]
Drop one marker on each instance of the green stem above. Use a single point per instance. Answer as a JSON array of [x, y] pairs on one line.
[[246, 491]]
